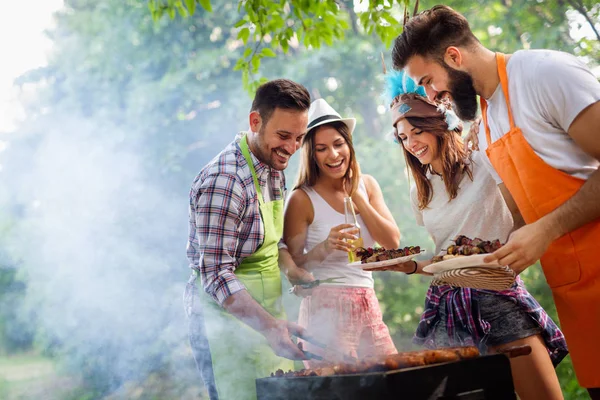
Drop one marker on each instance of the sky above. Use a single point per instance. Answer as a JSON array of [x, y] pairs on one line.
[[23, 46], [27, 20]]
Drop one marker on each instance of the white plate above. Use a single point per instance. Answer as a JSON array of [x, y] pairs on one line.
[[384, 263], [459, 262]]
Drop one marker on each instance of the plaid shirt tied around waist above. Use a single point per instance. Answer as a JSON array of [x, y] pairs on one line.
[[463, 313]]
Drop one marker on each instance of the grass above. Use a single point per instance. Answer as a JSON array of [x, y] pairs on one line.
[[32, 376]]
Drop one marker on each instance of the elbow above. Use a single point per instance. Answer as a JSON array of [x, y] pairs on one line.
[[391, 241], [395, 238]]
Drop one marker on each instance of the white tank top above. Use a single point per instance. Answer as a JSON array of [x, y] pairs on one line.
[[335, 265]]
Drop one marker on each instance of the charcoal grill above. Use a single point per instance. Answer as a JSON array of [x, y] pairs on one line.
[[486, 377]]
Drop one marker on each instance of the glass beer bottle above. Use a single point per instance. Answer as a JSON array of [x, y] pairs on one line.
[[350, 218]]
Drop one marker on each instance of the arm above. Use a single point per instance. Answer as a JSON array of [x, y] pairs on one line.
[[277, 332], [526, 245], [584, 206], [408, 267], [299, 215], [218, 210], [512, 206], [295, 274], [376, 214], [217, 206]]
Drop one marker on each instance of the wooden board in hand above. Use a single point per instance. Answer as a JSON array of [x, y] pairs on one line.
[[488, 277]]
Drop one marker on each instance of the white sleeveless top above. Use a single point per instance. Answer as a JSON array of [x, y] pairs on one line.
[[335, 265]]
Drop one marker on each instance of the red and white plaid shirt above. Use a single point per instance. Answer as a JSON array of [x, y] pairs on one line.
[[225, 224]]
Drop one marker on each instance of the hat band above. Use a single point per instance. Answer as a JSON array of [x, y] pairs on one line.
[[323, 118]]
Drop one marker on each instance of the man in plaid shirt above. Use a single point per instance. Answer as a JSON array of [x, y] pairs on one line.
[[238, 330]]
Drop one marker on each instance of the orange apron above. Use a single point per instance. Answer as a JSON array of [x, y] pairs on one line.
[[572, 263]]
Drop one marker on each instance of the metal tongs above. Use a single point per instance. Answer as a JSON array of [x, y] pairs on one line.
[[315, 283], [312, 340]]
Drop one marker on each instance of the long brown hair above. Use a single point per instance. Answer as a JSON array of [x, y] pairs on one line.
[[309, 170], [455, 160]]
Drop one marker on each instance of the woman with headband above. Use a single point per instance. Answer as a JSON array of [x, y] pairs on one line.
[[454, 194]]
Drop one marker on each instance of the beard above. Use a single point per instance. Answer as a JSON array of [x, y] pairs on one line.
[[264, 154], [464, 95]]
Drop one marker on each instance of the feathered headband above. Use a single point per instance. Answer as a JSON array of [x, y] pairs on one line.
[[410, 100]]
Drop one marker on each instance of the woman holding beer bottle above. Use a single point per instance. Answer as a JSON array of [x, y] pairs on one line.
[[332, 210]]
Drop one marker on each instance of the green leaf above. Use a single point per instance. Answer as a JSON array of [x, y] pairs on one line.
[[245, 74], [247, 52], [244, 34], [240, 23], [268, 52], [191, 6], [206, 5], [255, 63], [389, 19], [182, 10], [240, 64]]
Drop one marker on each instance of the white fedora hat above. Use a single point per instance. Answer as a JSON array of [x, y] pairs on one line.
[[320, 113]]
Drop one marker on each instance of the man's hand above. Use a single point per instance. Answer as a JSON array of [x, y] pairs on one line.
[[471, 139], [524, 247], [278, 336]]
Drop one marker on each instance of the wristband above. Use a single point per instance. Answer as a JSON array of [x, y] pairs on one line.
[[415, 270]]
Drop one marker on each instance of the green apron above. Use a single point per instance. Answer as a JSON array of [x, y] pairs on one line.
[[239, 353]]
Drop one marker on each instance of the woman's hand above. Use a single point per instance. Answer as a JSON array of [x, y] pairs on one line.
[[339, 236], [297, 276], [300, 291]]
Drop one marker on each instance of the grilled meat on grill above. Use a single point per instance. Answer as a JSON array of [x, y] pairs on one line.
[[388, 363]]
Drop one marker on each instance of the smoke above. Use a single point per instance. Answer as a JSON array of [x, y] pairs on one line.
[[102, 243]]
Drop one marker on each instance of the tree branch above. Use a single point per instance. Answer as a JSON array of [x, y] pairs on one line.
[[578, 5]]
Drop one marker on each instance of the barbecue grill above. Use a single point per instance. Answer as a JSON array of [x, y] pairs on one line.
[[485, 377]]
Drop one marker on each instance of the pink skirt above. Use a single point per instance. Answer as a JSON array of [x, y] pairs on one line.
[[348, 320]]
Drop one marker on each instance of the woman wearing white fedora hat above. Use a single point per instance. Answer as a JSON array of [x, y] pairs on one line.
[[345, 315]]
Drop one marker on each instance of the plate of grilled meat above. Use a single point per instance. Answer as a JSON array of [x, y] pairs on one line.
[[464, 253], [463, 266], [379, 257]]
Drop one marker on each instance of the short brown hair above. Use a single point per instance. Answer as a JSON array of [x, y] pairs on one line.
[[309, 170], [280, 93], [429, 33]]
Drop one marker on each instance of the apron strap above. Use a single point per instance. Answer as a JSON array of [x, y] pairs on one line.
[[246, 153], [501, 64], [483, 104]]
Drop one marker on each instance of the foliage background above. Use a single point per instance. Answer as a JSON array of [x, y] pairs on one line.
[[94, 182]]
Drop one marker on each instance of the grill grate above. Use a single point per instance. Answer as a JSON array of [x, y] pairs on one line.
[[486, 377]]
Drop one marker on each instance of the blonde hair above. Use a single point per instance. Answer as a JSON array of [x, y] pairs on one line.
[[309, 170]]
